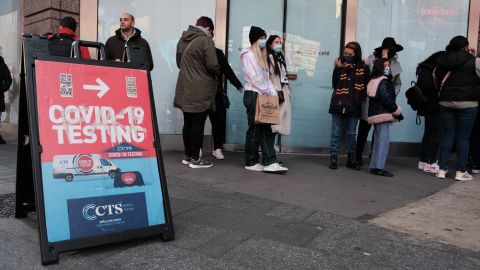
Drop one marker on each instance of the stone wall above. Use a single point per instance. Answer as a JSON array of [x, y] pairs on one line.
[[44, 16]]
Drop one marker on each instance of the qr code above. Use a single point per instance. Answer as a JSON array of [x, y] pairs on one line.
[[66, 87], [131, 87]]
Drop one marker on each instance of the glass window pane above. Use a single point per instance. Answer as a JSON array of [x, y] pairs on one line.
[[422, 27], [266, 14], [312, 44], [162, 23]]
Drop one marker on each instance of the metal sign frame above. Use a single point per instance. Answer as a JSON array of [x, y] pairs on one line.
[[36, 48]]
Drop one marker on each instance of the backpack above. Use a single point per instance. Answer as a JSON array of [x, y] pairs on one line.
[[415, 98], [420, 91], [60, 45]]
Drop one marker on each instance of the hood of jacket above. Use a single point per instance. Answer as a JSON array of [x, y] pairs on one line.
[[192, 33], [64, 31], [454, 60], [137, 34]]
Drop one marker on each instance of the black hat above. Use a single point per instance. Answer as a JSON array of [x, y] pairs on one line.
[[389, 42], [457, 43], [256, 33]]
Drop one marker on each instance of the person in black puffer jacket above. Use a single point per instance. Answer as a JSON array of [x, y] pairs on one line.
[[458, 100], [382, 111], [431, 134]]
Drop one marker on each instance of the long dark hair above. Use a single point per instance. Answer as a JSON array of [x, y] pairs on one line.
[[357, 49], [277, 57], [378, 67]]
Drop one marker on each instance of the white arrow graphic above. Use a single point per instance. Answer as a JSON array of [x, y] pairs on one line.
[[102, 87]]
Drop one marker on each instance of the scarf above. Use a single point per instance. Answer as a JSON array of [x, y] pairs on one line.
[[344, 86]]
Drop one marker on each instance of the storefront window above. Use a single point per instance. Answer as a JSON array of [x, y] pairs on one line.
[[422, 27], [162, 23], [266, 14], [313, 29]]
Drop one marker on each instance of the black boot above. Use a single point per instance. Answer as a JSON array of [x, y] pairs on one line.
[[333, 161], [359, 159], [2, 141], [351, 163]]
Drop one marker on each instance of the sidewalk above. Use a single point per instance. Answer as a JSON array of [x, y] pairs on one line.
[[229, 218]]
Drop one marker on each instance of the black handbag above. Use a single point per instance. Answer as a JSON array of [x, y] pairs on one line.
[[281, 97]]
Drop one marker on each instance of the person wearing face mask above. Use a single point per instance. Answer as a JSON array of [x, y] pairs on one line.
[[279, 77], [457, 74], [257, 82], [388, 50], [382, 111], [196, 86], [349, 81]]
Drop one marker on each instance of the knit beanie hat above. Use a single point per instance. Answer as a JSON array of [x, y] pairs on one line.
[[256, 33]]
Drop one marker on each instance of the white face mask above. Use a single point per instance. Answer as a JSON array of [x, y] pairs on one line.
[[387, 71]]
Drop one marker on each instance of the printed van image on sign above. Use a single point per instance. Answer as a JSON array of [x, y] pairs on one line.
[[70, 166]]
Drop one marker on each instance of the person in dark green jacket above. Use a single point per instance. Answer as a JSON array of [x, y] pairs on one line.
[[196, 86]]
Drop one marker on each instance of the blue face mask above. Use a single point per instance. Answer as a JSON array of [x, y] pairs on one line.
[[262, 43], [348, 58], [277, 48]]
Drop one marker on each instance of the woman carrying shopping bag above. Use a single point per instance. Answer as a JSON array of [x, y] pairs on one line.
[[258, 84]]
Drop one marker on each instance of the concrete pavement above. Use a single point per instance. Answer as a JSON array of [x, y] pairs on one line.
[[229, 218]]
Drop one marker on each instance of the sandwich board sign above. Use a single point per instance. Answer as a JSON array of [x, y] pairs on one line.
[[97, 164]]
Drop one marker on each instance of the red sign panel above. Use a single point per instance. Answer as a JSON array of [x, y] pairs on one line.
[[92, 109]]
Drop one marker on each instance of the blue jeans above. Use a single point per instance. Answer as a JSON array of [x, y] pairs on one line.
[[380, 145], [457, 127], [431, 138], [339, 123]]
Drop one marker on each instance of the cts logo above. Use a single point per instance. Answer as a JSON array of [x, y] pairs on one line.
[[92, 212]]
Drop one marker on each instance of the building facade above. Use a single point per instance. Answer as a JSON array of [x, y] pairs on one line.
[[314, 32]]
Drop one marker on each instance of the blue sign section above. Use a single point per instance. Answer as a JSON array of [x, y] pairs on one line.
[[57, 191], [108, 214]]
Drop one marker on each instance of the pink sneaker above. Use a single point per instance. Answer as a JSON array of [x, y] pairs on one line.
[[421, 165], [431, 168]]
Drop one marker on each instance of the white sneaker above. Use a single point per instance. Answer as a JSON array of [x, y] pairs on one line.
[[421, 165], [186, 160], [431, 168], [275, 168], [256, 168], [463, 176], [218, 154], [441, 174]]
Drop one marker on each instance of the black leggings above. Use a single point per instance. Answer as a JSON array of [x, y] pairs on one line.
[[194, 124], [218, 118]]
